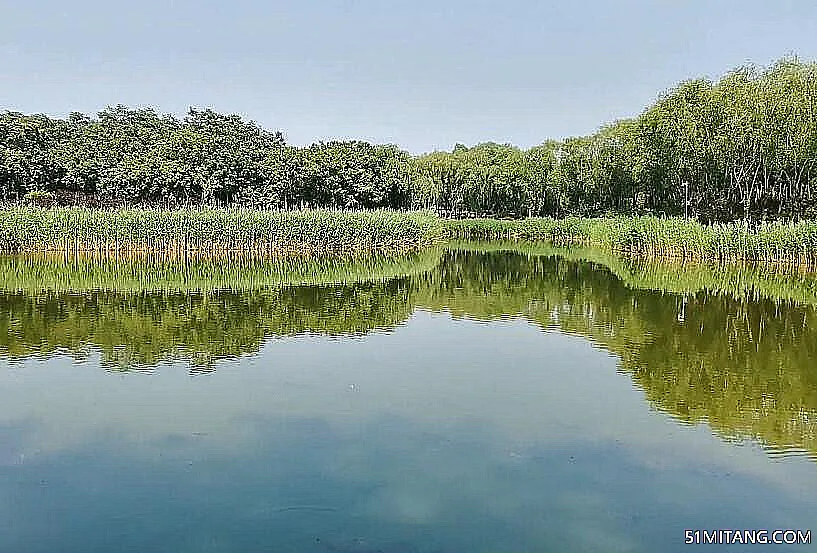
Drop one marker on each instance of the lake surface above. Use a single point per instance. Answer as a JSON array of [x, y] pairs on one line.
[[463, 400]]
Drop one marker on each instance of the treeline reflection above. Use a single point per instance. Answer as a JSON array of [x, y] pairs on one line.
[[740, 359]]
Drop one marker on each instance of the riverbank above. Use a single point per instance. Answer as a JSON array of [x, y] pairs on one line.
[[216, 232], [662, 238]]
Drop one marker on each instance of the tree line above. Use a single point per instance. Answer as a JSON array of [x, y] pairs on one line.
[[741, 147]]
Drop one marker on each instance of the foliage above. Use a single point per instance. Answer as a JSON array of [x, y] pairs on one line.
[[740, 148], [744, 147], [136, 157]]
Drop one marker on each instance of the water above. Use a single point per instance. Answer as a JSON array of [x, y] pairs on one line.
[[488, 401]]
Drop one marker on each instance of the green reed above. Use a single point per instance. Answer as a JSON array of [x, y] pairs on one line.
[[30, 229], [780, 242], [263, 233]]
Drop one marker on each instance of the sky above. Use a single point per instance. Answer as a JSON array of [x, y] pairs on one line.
[[421, 74]]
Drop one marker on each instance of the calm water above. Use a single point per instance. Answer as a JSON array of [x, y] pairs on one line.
[[484, 402]]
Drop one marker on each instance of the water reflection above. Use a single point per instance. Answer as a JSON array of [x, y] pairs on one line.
[[736, 358], [476, 401], [139, 330]]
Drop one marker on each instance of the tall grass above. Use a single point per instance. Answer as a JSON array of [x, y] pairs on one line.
[[30, 229], [216, 231], [792, 243]]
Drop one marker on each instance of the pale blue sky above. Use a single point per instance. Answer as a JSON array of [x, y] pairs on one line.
[[422, 74]]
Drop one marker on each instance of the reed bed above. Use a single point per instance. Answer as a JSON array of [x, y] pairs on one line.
[[778, 242], [214, 231]]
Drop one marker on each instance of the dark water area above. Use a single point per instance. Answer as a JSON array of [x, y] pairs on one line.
[[489, 401]]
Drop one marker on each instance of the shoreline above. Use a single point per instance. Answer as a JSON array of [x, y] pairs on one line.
[[790, 244], [209, 232]]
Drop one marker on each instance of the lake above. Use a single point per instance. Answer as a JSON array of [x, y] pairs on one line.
[[475, 398]]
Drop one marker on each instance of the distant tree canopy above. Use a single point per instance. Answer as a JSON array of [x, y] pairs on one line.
[[744, 147]]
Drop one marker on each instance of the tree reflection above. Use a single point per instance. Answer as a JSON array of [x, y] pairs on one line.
[[736, 356]]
